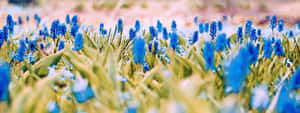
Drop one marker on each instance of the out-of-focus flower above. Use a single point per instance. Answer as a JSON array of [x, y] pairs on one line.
[[53, 107], [268, 49], [221, 42], [138, 51], [159, 26], [273, 22], [213, 30], [260, 98], [82, 91], [201, 28], [4, 80], [248, 28], [208, 54], [278, 48], [78, 45], [280, 25]]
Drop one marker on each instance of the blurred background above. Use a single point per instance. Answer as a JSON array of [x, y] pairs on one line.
[[148, 11]]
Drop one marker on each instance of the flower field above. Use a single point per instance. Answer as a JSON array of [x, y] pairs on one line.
[[65, 66]]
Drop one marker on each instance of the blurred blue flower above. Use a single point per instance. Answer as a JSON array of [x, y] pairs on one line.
[[153, 32], [137, 25], [21, 50], [195, 37], [294, 83], [165, 33], [221, 42], [236, 70], [10, 23], [174, 25], [68, 21], [30, 58], [213, 30], [61, 45], [285, 103], [259, 32], [201, 28], [120, 25], [248, 27], [253, 52], [159, 26], [278, 48], [299, 24], [196, 19], [290, 34], [78, 45], [74, 29], [224, 17], [174, 40], [27, 18], [273, 22], [132, 108], [32, 45], [4, 80], [138, 51], [5, 32], [82, 91], [74, 20], [20, 20], [240, 34], [208, 54], [146, 67], [206, 27], [253, 35], [220, 26], [53, 107], [268, 49], [37, 19], [280, 25], [132, 34], [54, 28], [260, 98]]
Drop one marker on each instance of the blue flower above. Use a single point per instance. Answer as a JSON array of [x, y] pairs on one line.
[[280, 25], [201, 28], [165, 33], [132, 34], [32, 45], [138, 51], [27, 18], [253, 35], [153, 32], [137, 25], [259, 32], [285, 103], [294, 83], [299, 24], [221, 42], [20, 20], [54, 29], [195, 37], [196, 19], [236, 70], [273, 22], [290, 34], [146, 67], [5, 32], [10, 23], [159, 26], [174, 25], [132, 108], [248, 27], [61, 45], [74, 29], [224, 17], [42, 46], [260, 98], [267, 17], [101, 27], [4, 80], [82, 91], [268, 49], [74, 20], [68, 21], [213, 29], [240, 34], [37, 19], [63, 29], [278, 48], [78, 45], [208, 54], [174, 41], [52, 107], [206, 27], [21, 50], [220, 26], [30, 58], [253, 52], [120, 25]]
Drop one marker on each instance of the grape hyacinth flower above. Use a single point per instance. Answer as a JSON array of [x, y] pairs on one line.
[[213, 30], [132, 107], [61, 45], [101, 27], [298, 24], [68, 21], [5, 32], [74, 30], [273, 22], [30, 58], [138, 51], [132, 34], [278, 48], [74, 20], [221, 42], [240, 34], [174, 41], [294, 83], [220, 26], [195, 37], [259, 32], [196, 19], [32, 45], [54, 29], [206, 27], [10, 23], [159, 26], [20, 20], [82, 91], [290, 34], [153, 32], [137, 25], [37, 19], [120, 25], [253, 52], [21, 50], [208, 54], [165, 33], [52, 107], [4, 80], [260, 98], [280, 25], [27, 18], [174, 25], [285, 103], [236, 70], [268, 49], [225, 18], [201, 28], [78, 45], [146, 67], [253, 35], [248, 27]]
